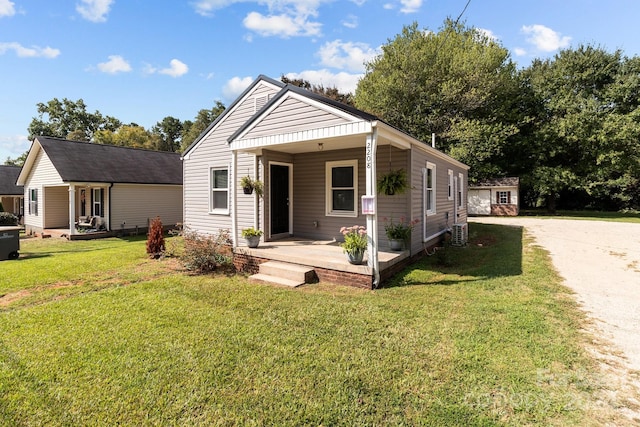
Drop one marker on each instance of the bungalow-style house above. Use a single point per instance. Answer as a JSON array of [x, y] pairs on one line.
[[11, 194], [496, 196], [98, 190], [319, 162]]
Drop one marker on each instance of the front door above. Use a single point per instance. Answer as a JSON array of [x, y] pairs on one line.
[[279, 191]]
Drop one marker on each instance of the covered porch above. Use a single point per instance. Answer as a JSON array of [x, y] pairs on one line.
[[80, 209], [324, 257]]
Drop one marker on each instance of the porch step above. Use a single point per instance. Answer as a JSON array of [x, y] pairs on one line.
[[284, 273]]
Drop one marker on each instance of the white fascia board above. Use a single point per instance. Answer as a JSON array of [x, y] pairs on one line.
[[236, 105], [293, 95], [346, 129]]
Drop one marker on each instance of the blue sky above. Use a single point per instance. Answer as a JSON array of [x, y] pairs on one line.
[[140, 60]]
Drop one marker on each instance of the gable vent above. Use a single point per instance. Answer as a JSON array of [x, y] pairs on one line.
[[261, 101]]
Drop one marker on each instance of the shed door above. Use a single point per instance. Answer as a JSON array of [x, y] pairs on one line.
[[479, 202]]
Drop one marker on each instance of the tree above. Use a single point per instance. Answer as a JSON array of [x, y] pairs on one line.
[[329, 92], [18, 161], [191, 130], [586, 140], [169, 134], [68, 119], [132, 135], [455, 83]]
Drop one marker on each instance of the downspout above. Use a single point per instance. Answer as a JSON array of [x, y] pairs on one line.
[[372, 219]]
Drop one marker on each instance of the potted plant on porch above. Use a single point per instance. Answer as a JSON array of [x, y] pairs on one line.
[[398, 232], [250, 185], [355, 243], [252, 236]]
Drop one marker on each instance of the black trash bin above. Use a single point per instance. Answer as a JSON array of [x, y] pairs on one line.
[[9, 243]]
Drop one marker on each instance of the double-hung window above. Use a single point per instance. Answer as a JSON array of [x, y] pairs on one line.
[[33, 201], [219, 195], [342, 188], [97, 197], [429, 186], [460, 190], [450, 194]]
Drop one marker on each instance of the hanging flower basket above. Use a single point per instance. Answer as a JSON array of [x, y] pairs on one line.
[[394, 182]]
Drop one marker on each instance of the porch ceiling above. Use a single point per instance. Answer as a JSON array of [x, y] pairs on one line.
[[313, 145]]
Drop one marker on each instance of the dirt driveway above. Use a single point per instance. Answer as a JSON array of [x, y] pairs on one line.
[[600, 261]]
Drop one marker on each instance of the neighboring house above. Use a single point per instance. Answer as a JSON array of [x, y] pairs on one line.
[[497, 196], [11, 194], [316, 158], [66, 182]]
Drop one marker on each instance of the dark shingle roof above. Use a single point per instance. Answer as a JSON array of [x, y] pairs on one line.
[[8, 177], [498, 182], [86, 162]]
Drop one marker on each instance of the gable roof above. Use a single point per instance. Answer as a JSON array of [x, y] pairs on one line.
[[260, 78], [8, 178], [498, 182], [87, 162], [310, 95]]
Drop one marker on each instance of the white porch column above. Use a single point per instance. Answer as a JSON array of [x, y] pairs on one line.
[[234, 197], [72, 209], [372, 220]]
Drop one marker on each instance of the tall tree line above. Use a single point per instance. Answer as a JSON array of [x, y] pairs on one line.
[[569, 126]]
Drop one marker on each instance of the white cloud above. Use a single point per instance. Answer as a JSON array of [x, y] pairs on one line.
[[519, 51], [544, 38], [487, 33], [94, 10], [358, 2], [282, 25], [351, 21], [346, 55], [6, 8], [115, 64], [344, 82], [283, 18], [410, 6], [235, 87], [13, 145], [176, 68], [29, 52]]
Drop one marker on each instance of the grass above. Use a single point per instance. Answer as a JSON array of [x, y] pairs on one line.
[[100, 335], [632, 217]]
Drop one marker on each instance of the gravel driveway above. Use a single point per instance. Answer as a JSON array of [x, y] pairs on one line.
[[600, 261]]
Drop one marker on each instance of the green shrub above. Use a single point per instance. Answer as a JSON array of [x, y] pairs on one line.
[[205, 253], [7, 218]]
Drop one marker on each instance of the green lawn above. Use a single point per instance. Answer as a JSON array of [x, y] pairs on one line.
[[94, 333]]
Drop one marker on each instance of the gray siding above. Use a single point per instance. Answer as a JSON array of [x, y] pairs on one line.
[[213, 151], [306, 117], [444, 216]]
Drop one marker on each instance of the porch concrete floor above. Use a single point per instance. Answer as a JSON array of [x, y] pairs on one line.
[[318, 253]]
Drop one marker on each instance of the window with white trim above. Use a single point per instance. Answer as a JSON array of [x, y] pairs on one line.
[[503, 197], [96, 201], [450, 194], [429, 185], [460, 190], [219, 194], [33, 201], [342, 188]]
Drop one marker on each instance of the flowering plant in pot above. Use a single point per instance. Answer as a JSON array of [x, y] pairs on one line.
[[398, 232], [250, 185], [252, 236], [355, 243]]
